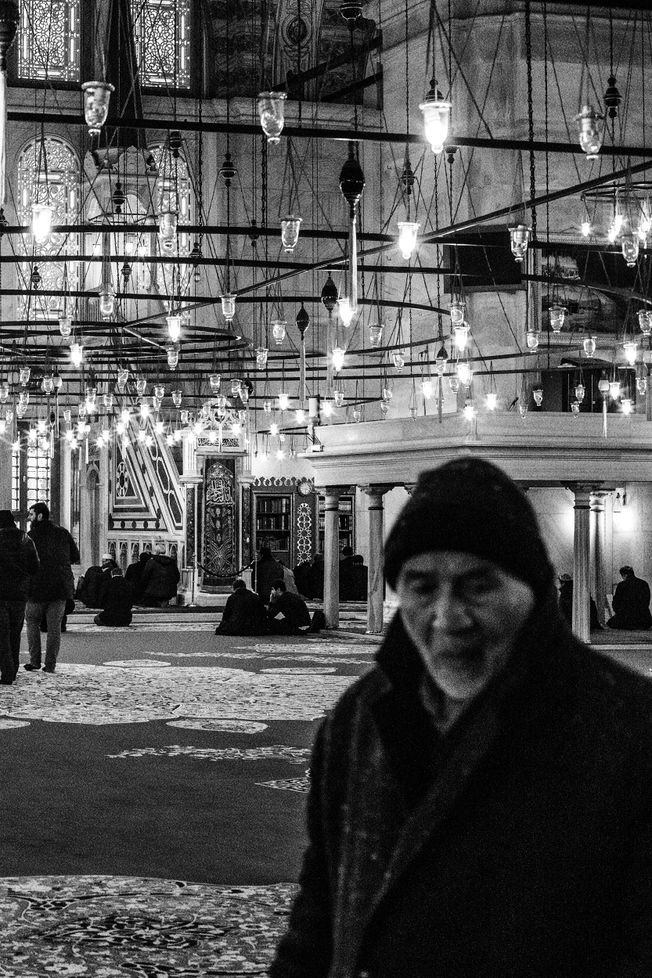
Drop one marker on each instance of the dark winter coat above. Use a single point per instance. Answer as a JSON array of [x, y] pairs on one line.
[[159, 579], [244, 614], [57, 550], [266, 571], [292, 608], [117, 602], [18, 562], [631, 603], [517, 846]]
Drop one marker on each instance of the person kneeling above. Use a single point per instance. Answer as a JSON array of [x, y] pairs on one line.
[[117, 603], [244, 613], [288, 612]]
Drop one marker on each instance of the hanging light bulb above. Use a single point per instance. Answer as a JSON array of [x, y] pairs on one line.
[[457, 310], [273, 429], [290, 227], [279, 330], [261, 357], [96, 104], [537, 396], [345, 310], [469, 411], [427, 388], [519, 235], [461, 336], [589, 345], [337, 357], [398, 359], [271, 109], [375, 334], [283, 401], [464, 373], [173, 356], [492, 401], [630, 350], [174, 327], [436, 117], [557, 317], [41, 222], [228, 306], [630, 245], [580, 391], [614, 389], [65, 326], [407, 238], [585, 228], [107, 303], [626, 406], [76, 354], [532, 339], [645, 321], [590, 135]]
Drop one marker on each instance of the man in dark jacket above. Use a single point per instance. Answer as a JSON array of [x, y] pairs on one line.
[[288, 612], [134, 573], [117, 601], [266, 570], [481, 801], [50, 588], [18, 562], [244, 613], [93, 584], [159, 579], [631, 602]]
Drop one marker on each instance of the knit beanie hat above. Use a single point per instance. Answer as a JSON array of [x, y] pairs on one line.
[[472, 506]]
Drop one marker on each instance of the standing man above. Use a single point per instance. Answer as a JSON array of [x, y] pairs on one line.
[[50, 588], [18, 562], [481, 801], [631, 602]]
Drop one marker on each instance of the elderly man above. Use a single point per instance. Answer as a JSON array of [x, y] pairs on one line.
[[480, 801]]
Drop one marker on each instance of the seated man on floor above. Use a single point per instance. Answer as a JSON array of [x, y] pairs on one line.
[[117, 601], [244, 613], [288, 612]]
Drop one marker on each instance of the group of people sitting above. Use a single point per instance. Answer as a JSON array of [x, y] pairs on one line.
[[285, 613], [151, 582], [309, 576]]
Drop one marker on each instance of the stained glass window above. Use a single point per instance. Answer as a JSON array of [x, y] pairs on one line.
[[48, 40], [48, 173], [162, 36]]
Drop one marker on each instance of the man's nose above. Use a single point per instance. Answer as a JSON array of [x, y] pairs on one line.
[[449, 611]]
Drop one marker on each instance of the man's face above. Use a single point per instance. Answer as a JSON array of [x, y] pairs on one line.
[[31, 516], [463, 614]]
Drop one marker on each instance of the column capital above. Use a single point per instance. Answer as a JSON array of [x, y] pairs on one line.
[[377, 489], [332, 490], [582, 492]]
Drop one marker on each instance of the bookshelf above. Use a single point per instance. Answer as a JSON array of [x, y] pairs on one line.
[[273, 524], [346, 520]]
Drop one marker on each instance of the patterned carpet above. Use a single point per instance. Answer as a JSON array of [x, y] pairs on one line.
[[153, 800]]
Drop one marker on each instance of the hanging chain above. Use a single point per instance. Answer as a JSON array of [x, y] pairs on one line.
[[530, 114]]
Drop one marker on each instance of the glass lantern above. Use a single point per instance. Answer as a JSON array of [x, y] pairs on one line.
[[215, 382], [589, 345], [345, 310], [457, 310], [76, 354], [337, 357], [271, 109], [580, 391], [290, 227], [575, 407], [261, 357], [174, 327], [375, 335], [427, 388], [65, 326], [338, 398], [641, 384], [159, 391], [228, 306], [441, 359], [614, 389], [630, 349], [123, 376], [167, 229], [24, 375], [537, 395], [461, 336], [532, 339], [48, 385], [590, 135], [407, 238], [97, 95], [107, 303], [173, 357], [107, 400], [436, 117], [278, 331], [630, 244], [398, 359], [283, 401], [4, 392], [645, 321], [557, 315], [464, 373], [177, 398], [41, 222], [141, 386], [519, 235], [492, 401]]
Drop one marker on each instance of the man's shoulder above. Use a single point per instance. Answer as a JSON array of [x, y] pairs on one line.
[[616, 688]]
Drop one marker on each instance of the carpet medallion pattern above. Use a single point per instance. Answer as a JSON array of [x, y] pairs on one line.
[[292, 755], [110, 927]]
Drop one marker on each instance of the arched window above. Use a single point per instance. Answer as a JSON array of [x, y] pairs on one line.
[[48, 40], [162, 38], [48, 173]]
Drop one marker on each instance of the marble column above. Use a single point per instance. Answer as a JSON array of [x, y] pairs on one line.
[[332, 556], [191, 480], [581, 562], [5, 471], [376, 575], [599, 536], [65, 471]]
